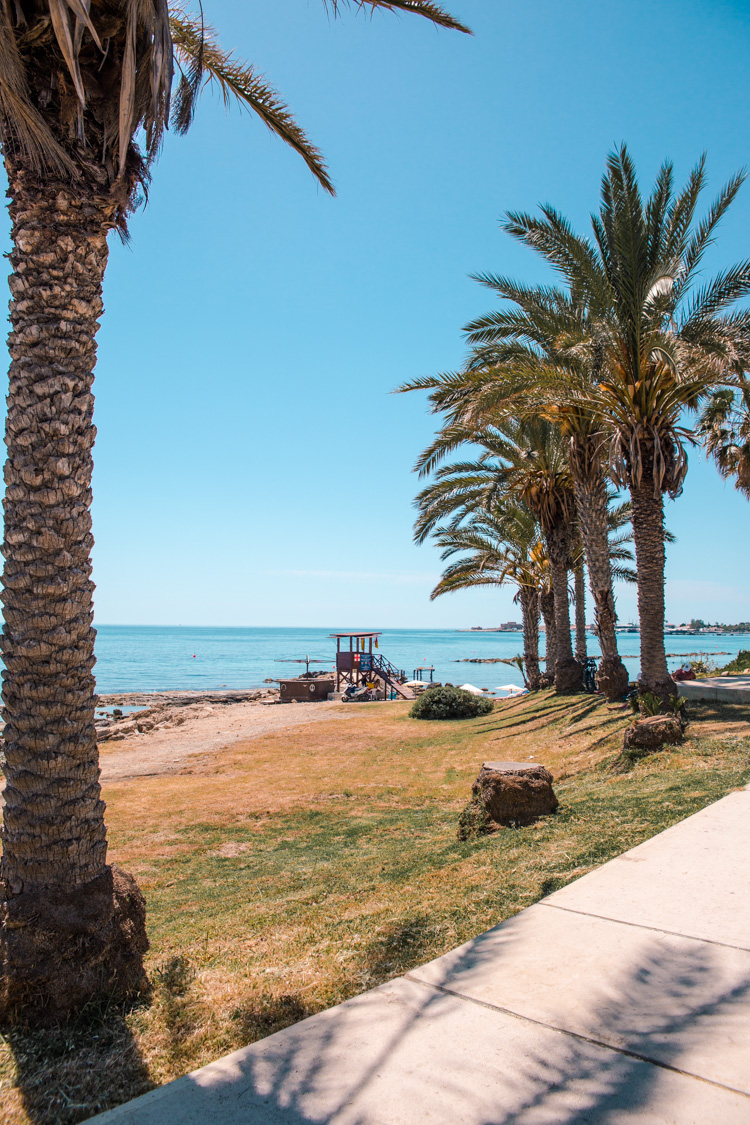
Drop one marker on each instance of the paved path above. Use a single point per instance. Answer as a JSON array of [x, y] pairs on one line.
[[624, 997], [717, 689]]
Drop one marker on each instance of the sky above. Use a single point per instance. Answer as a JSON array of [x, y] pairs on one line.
[[252, 466]]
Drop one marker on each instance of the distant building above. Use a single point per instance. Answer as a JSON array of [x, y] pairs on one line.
[[506, 627]]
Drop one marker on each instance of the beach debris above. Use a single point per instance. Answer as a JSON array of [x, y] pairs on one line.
[[507, 793]]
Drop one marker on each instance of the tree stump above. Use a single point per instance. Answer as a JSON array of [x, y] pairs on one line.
[[652, 733], [507, 793]]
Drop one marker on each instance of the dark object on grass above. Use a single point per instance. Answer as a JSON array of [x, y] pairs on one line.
[[507, 793], [450, 703], [589, 675], [647, 735]]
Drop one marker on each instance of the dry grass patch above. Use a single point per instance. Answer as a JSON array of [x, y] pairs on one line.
[[290, 872]]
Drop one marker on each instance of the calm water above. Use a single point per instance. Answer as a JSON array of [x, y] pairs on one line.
[[163, 658]]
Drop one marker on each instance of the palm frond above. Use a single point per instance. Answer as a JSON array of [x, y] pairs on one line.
[[24, 129], [433, 12], [197, 48]]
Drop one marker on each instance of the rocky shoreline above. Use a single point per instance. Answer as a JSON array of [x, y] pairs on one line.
[[161, 710]]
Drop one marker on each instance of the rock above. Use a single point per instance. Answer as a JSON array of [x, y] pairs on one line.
[[652, 733], [507, 793]]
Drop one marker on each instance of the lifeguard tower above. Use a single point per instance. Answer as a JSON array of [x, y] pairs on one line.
[[358, 664]]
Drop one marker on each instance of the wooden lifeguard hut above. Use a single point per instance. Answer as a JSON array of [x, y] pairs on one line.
[[357, 663]]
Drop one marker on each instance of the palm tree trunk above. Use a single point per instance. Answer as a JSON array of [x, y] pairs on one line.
[[530, 612], [648, 538], [547, 604], [591, 501], [568, 672], [580, 611], [71, 926]]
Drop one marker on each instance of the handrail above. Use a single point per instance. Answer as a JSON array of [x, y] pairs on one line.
[[382, 662]]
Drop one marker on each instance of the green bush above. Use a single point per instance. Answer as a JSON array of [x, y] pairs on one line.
[[450, 703], [739, 664]]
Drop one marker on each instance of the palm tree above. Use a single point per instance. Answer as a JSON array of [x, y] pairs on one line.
[[724, 429], [530, 357], [553, 377], [503, 546], [663, 343], [579, 604], [547, 608], [525, 459], [619, 557], [85, 93]]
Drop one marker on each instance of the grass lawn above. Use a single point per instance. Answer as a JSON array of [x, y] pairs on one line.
[[286, 874]]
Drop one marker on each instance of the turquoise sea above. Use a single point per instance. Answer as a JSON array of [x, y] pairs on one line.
[[173, 658]]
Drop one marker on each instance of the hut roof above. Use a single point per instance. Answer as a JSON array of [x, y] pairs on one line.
[[358, 633]]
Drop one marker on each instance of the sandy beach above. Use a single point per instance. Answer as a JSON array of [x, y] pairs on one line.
[[188, 732]]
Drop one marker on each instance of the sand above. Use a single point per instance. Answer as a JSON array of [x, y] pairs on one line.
[[205, 730]]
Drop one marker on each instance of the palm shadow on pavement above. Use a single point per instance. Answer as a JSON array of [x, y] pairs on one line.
[[410, 1051]]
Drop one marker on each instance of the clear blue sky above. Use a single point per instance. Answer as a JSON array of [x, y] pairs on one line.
[[251, 466]]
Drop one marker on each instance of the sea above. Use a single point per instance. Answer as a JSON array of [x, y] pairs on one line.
[[179, 658]]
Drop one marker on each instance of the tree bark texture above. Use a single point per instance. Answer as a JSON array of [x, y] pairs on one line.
[[530, 612], [70, 926], [591, 501], [579, 579], [547, 605], [568, 672], [648, 537]]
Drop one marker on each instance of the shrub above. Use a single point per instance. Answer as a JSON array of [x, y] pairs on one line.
[[649, 704], [450, 703], [739, 664], [704, 665]]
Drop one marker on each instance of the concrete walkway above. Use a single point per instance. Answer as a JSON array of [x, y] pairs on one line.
[[717, 689], [624, 997]]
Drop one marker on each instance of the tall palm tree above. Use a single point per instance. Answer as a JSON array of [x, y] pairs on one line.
[[579, 605], [500, 547], [547, 608], [525, 459], [531, 357], [553, 377], [664, 345], [85, 94]]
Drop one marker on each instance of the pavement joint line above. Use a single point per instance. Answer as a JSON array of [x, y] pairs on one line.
[[642, 926], [575, 1035]]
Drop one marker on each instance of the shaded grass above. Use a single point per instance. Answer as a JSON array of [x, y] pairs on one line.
[[301, 868]]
